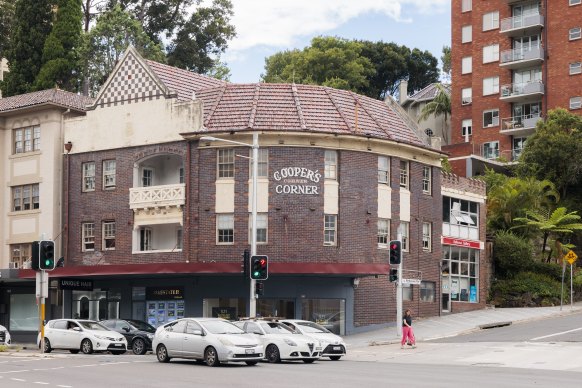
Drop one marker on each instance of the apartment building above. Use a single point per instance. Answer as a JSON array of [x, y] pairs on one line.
[[512, 61]]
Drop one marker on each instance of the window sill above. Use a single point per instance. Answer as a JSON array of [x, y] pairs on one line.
[[24, 212], [157, 251], [24, 155]]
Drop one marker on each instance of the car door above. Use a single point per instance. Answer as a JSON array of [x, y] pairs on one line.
[[73, 335], [194, 341], [173, 337], [126, 329], [56, 333], [254, 329]]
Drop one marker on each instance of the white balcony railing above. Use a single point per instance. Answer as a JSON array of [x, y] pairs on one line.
[[520, 122], [535, 54], [522, 89], [157, 196], [519, 23]]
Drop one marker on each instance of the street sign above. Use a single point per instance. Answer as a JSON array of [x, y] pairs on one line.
[[571, 257], [411, 281], [42, 284]]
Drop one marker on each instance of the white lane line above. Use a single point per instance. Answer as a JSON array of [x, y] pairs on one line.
[[65, 386], [84, 366], [40, 382], [555, 334], [15, 379]]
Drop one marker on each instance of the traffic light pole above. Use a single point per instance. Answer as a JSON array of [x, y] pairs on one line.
[[399, 294], [255, 165]]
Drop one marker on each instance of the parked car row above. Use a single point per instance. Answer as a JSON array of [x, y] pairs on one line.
[[209, 340]]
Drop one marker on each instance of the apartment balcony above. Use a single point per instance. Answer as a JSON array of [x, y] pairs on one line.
[[522, 92], [520, 125], [519, 58], [157, 238], [522, 25], [155, 197]]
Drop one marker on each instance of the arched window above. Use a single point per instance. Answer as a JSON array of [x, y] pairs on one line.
[[429, 132]]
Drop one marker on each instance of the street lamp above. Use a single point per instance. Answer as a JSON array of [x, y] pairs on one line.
[[255, 166]]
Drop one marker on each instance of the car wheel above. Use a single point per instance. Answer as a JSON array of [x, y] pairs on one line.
[[309, 360], [251, 363], [272, 354], [162, 354], [211, 357], [139, 347], [47, 345], [86, 346], [74, 351], [335, 358]]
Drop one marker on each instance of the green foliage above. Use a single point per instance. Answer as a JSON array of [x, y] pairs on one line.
[[29, 30], [60, 54], [6, 20], [512, 254], [446, 61], [492, 179], [439, 106], [107, 41], [446, 165], [526, 289], [552, 270]]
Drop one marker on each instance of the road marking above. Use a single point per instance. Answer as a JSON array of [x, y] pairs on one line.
[[84, 366], [41, 382], [555, 334], [15, 379], [65, 386]]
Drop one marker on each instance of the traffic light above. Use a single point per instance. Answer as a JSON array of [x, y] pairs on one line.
[[46, 255], [260, 288], [259, 267], [395, 252], [246, 256], [393, 275], [35, 256]]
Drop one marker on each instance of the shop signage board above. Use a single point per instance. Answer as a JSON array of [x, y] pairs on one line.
[[461, 242], [164, 293], [76, 284], [297, 180]]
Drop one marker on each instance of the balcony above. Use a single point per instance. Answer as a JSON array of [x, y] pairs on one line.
[[522, 92], [522, 25], [520, 125], [519, 58], [157, 196]]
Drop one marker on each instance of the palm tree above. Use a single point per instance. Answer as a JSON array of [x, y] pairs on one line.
[[557, 223], [439, 106]]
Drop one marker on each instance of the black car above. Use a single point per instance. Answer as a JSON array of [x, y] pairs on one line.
[[139, 334]]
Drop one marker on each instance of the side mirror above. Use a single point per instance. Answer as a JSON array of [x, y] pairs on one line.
[[76, 328], [257, 332], [197, 332], [125, 328]]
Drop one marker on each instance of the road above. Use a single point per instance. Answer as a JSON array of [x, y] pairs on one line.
[[541, 353]]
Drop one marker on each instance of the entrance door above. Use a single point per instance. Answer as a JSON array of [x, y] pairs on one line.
[[445, 287]]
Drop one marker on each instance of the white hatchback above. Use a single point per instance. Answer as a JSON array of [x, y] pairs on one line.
[[280, 342], [333, 345], [81, 335], [4, 336]]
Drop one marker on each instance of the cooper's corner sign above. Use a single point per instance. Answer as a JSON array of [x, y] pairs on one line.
[[462, 243], [297, 180]]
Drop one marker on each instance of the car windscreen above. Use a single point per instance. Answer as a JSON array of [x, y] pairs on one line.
[[88, 325], [221, 327], [141, 325], [275, 328], [312, 327]]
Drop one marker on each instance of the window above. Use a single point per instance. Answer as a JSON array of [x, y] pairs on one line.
[[146, 239], [467, 128], [426, 236], [331, 165], [575, 2], [25, 197], [88, 233], [427, 291], [490, 118], [460, 212], [383, 169], [109, 235], [89, 176], [575, 68], [490, 85], [466, 65], [466, 34], [429, 132], [383, 232], [404, 230], [26, 139], [225, 229], [426, 180], [466, 96], [407, 292], [404, 174], [109, 174], [461, 267], [226, 163], [262, 228], [575, 102], [490, 21], [329, 229], [179, 239], [466, 5], [263, 165], [19, 255], [181, 174], [491, 53], [575, 33], [147, 177], [491, 150]]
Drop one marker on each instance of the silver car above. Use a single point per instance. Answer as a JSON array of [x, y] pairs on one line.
[[212, 340]]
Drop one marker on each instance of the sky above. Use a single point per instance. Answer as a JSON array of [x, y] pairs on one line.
[[265, 27]]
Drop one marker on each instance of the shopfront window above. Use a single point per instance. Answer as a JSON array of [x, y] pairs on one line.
[[96, 305], [330, 313], [227, 308], [462, 268], [23, 312], [284, 308]]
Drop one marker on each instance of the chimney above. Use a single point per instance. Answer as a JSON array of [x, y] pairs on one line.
[[402, 92]]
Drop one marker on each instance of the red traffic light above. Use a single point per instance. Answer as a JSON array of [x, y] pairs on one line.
[[259, 267]]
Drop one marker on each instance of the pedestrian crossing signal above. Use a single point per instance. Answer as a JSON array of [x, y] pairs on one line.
[[259, 267]]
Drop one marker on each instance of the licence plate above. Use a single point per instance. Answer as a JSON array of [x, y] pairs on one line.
[[118, 345], [337, 348], [249, 351]]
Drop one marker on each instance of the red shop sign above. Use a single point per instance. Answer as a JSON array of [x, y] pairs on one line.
[[461, 243]]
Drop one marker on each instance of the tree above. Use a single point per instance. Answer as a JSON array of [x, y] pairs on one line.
[[107, 41], [91, 9], [439, 106], [446, 61], [390, 67], [6, 19], [554, 151], [201, 40], [60, 55], [30, 27], [422, 68]]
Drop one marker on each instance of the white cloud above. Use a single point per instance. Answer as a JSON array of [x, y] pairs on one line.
[[278, 23]]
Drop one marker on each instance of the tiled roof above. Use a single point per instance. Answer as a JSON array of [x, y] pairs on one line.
[[290, 107], [182, 81], [429, 92], [49, 96]]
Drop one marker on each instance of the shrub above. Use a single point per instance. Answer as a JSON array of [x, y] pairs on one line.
[[512, 254], [553, 270], [526, 289]]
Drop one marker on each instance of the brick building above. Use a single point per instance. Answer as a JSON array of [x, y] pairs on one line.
[[512, 61], [156, 218]]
